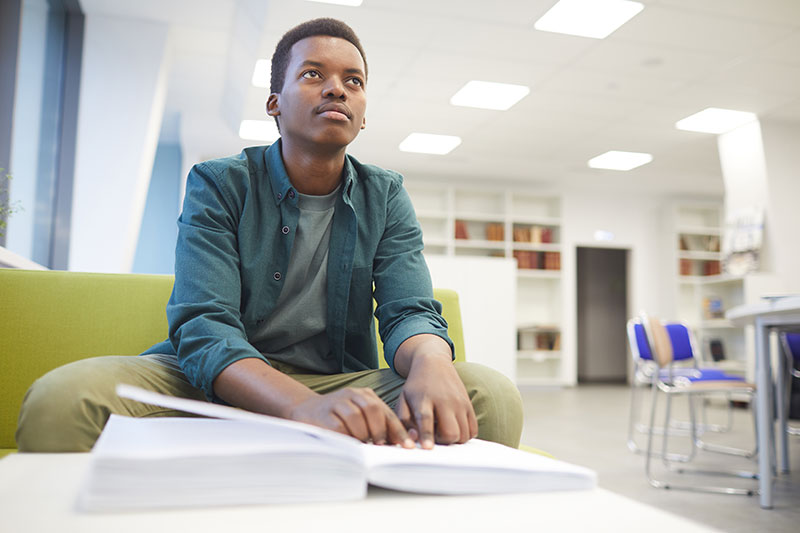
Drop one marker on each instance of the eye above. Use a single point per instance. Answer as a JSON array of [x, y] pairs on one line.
[[309, 74], [357, 82]]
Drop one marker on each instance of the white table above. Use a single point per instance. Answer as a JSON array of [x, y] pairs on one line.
[[38, 493], [766, 315]]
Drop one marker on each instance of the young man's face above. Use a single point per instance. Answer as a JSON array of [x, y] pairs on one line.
[[323, 99]]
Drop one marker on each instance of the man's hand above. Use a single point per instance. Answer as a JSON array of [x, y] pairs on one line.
[[434, 404], [356, 412], [254, 385]]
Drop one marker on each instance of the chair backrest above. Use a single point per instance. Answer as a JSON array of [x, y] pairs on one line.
[[791, 343], [680, 338], [637, 340]]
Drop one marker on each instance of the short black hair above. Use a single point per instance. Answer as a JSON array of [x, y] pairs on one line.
[[321, 26]]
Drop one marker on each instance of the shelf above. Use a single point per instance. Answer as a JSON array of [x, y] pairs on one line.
[[717, 323], [536, 247], [536, 273], [434, 242], [480, 244], [431, 215], [700, 230], [539, 355], [536, 221], [699, 256], [710, 280], [480, 217]]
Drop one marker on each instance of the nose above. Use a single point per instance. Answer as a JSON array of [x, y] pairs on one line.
[[333, 88]]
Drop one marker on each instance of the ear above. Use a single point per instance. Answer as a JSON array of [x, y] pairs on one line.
[[273, 106], [364, 123]]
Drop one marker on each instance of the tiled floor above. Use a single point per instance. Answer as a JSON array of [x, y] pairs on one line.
[[587, 425]]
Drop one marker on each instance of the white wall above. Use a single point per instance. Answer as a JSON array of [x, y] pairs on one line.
[[636, 223], [761, 168], [782, 154], [123, 89]]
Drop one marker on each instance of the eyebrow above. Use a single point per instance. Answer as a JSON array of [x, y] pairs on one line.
[[310, 63]]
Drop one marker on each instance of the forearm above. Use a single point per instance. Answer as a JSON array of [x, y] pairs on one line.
[[424, 346], [254, 385]]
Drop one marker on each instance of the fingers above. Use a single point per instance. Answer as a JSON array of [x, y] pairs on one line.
[[423, 421], [367, 417]]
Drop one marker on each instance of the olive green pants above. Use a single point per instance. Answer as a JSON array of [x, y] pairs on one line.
[[66, 409]]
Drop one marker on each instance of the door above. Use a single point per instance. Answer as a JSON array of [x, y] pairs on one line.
[[602, 314]]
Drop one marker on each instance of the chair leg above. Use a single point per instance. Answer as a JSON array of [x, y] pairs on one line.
[[780, 405], [694, 438]]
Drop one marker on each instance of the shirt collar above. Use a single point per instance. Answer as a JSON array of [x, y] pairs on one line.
[[281, 186]]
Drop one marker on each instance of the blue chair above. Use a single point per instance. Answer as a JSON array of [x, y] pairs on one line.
[[683, 349], [790, 344], [672, 381]]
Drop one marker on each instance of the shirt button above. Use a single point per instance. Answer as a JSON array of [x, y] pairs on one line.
[[285, 230], [280, 195], [276, 276], [291, 194]]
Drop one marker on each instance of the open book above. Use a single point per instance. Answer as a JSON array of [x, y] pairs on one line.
[[239, 457]]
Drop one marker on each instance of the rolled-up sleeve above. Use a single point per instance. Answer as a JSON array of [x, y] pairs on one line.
[[205, 325], [403, 288]]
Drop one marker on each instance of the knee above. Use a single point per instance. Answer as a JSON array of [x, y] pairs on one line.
[[58, 414], [497, 403]]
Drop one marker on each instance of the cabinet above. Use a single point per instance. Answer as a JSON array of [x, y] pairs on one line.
[[704, 291], [464, 221]]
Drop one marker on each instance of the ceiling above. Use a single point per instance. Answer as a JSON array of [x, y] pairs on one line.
[[588, 96]]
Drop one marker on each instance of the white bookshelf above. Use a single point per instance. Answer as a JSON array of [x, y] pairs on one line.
[[704, 291], [477, 222]]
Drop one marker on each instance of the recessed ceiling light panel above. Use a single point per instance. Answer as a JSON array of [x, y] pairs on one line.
[[616, 160], [715, 120], [259, 130], [588, 18], [489, 95], [429, 143]]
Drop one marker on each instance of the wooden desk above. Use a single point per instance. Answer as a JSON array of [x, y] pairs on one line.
[[38, 493], [766, 315]]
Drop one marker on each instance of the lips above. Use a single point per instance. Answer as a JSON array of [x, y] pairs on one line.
[[335, 111]]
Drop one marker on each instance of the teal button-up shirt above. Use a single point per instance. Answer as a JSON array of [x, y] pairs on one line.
[[235, 238]]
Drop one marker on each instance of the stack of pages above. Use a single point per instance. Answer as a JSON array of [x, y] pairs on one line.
[[238, 457]]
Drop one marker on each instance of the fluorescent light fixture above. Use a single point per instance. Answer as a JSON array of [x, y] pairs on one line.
[[489, 95], [428, 143], [351, 3], [615, 160], [262, 73], [259, 130], [715, 120], [588, 18]]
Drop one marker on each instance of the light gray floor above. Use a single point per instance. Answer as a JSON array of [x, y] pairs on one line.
[[587, 425]]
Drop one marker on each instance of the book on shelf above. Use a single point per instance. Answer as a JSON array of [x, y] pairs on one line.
[[522, 234], [711, 268], [461, 230], [685, 267], [237, 457], [495, 231]]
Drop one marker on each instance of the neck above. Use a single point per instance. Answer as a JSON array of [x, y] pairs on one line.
[[312, 172]]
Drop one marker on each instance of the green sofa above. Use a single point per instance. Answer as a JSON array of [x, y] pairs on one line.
[[50, 318]]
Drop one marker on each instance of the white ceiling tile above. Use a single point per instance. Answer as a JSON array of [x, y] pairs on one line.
[[701, 31]]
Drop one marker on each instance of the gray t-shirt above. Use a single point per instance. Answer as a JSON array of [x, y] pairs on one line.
[[295, 332]]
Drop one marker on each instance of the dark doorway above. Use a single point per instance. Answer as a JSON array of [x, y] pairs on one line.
[[602, 314]]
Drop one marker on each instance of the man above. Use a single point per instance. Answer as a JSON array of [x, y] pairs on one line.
[[278, 252]]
